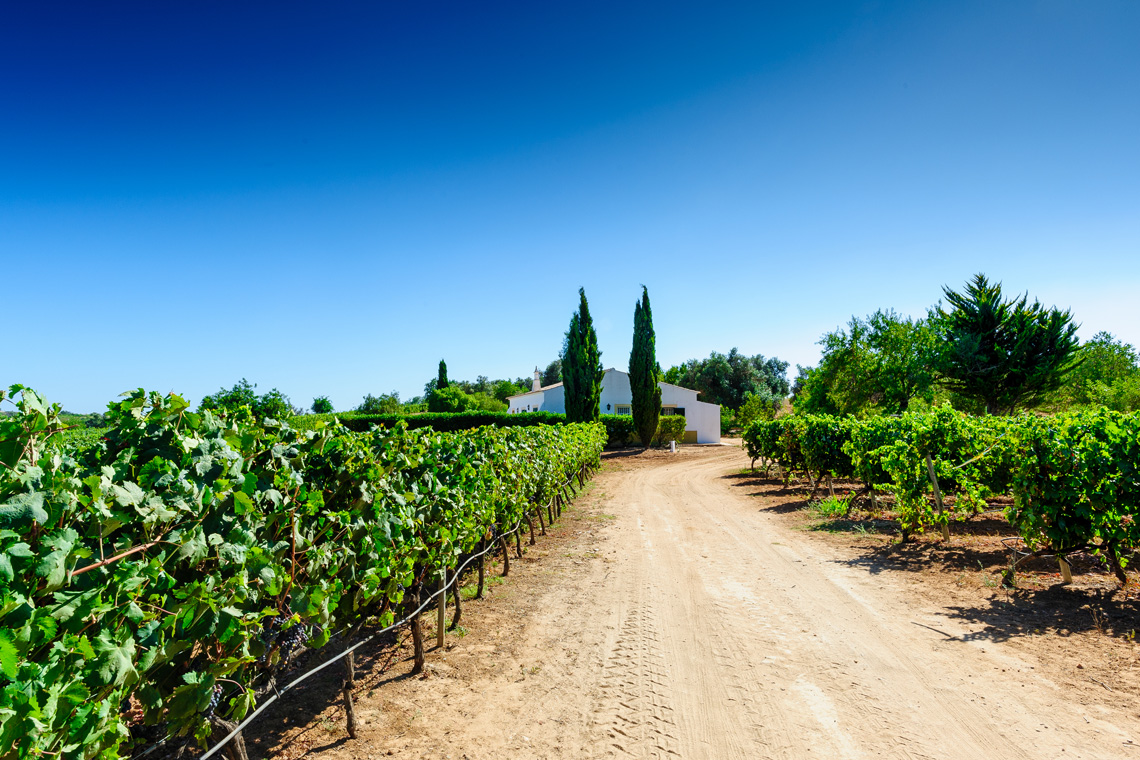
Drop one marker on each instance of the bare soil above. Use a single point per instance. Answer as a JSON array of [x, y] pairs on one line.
[[686, 608]]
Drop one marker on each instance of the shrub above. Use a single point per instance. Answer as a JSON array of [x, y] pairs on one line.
[[386, 403], [322, 405], [450, 400], [619, 429], [670, 428], [232, 401]]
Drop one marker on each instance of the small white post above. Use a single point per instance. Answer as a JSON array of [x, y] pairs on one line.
[[672, 447], [441, 619], [1066, 571]]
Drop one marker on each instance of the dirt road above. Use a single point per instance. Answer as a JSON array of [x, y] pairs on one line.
[[692, 624]]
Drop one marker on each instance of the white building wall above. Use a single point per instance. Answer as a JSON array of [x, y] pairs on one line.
[[615, 390]]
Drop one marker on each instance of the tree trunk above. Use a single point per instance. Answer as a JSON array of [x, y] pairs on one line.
[[506, 556], [235, 749], [458, 604], [220, 729], [1114, 562], [530, 524], [482, 558], [417, 635]]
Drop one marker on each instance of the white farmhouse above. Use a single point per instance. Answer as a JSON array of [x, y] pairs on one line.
[[702, 420]]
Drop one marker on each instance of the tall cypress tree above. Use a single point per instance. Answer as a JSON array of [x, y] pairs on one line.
[[643, 372], [441, 381], [582, 366]]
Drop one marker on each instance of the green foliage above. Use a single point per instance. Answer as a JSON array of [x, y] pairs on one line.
[[1108, 375], [322, 405], [186, 554], [582, 366], [242, 398], [385, 403], [1073, 476], [485, 402], [671, 427], [762, 405], [443, 422], [1077, 484], [449, 400], [1007, 354], [729, 379], [877, 365], [643, 372], [552, 374], [620, 430], [441, 379]]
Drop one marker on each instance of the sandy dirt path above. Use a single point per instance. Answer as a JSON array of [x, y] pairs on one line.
[[691, 624]]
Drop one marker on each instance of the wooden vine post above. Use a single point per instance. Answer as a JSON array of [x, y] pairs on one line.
[[1066, 570], [937, 495]]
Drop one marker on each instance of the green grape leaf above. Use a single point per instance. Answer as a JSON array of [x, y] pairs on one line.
[[22, 509], [9, 657]]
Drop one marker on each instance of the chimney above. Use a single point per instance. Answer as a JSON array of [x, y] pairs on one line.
[[537, 384]]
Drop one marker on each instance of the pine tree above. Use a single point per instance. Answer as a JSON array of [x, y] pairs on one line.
[[643, 372], [582, 366], [441, 381], [1004, 354]]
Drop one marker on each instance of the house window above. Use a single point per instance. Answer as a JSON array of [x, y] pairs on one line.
[[623, 409]]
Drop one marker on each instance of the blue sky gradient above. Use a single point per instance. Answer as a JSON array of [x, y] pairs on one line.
[[329, 199]]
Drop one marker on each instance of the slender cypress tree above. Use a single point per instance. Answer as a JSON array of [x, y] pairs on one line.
[[441, 381], [582, 366], [643, 372]]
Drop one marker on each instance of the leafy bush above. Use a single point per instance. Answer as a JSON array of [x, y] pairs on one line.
[[450, 400], [669, 428], [273, 404], [322, 405], [619, 429], [386, 403]]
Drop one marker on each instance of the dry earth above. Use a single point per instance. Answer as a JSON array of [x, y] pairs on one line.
[[674, 613]]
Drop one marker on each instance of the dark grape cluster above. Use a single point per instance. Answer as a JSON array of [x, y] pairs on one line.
[[215, 698], [291, 639]]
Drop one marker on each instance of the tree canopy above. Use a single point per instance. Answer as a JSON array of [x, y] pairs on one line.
[[728, 379], [643, 372], [553, 373], [273, 403], [1005, 354], [582, 366], [877, 364]]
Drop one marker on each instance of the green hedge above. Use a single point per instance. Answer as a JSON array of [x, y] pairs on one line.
[[443, 422], [620, 430]]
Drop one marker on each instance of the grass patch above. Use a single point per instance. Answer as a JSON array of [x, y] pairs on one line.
[[831, 508]]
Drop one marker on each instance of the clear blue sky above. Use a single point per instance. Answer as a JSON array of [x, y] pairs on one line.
[[328, 198]]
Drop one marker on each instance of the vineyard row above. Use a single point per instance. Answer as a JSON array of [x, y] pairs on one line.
[[157, 583], [1074, 478]]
